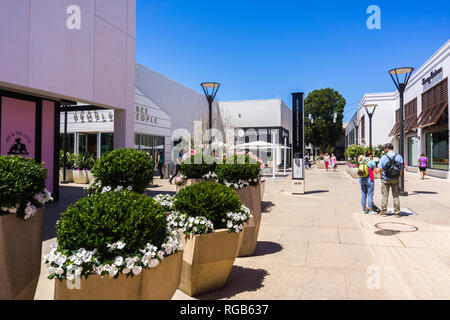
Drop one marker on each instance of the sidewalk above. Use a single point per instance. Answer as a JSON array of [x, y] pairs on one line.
[[319, 245]]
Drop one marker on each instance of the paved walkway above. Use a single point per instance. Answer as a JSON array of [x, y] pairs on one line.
[[319, 245]]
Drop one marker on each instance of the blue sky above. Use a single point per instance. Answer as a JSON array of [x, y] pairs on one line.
[[269, 49]]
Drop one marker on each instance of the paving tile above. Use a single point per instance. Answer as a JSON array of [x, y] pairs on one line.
[[305, 234], [382, 238]]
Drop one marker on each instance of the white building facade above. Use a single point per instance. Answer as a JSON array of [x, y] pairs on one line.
[[259, 120], [426, 116]]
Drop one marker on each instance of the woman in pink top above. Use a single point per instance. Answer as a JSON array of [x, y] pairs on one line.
[[333, 162], [423, 164], [326, 159]]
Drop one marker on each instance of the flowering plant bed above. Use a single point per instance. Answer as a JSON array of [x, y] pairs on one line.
[[210, 216], [117, 235], [22, 198], [122, 168], [239, 171]]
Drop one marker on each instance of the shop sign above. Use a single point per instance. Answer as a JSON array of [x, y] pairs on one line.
[[17, 142], [143, 116], [298, 133], [93, 117], [435, 77]]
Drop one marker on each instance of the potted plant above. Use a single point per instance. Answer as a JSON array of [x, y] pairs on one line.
[[198, 167], [123, 169], [22, 199], [83, 163], [115, 245], [210, 216], [70, 164], [242, 172]]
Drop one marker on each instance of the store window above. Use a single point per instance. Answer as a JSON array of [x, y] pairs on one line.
[[413, 151], [107, 143], [437, 150], [153, 145], [70, 142]]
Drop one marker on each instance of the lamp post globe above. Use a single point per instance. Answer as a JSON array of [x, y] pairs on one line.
[[210, 89], [370, 110], [356, 123], [401, 77]]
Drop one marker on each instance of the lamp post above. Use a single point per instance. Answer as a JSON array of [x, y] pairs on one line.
[[370, 109], [356, 123], [210, 89], [401, 85]]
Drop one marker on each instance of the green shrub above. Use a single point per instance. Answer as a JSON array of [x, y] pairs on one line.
[[214, 202], [197, 166], [70, 160], [84, 161], [124, 168], [111, 233], [237, 171], [354, 151], [22, 187]]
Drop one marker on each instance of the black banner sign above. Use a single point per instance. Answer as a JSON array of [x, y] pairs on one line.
[[298, 148]]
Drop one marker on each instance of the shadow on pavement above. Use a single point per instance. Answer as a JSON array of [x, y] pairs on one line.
[[240, 280], [266, 206], [422, 192], [68, 196], [317, 191], [266, 247]]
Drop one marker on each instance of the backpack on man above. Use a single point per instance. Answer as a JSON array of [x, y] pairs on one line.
[[392, 168]]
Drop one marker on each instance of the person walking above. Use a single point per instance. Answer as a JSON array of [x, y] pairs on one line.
[[160, 165], [391, 167], [333, 162], [179, 159], [367, 182], [326, 159], [307, 161], [423, 165]]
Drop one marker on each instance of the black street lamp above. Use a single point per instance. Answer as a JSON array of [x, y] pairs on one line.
[[356, 123], [210, 89], [370, 109], [401, 86]]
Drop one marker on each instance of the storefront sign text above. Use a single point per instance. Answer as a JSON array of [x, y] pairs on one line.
[[435, 76]]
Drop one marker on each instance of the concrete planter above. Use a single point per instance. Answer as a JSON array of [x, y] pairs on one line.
[[159, 283], [20, 256], [80, 177], [354, 172], [320, 164], [207, 261], [69, 175], [377, 175], [251, 198], [263, 189], [90, 176]]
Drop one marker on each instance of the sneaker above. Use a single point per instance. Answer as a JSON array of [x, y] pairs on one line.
[[383, 213], [365, 211], [371, 212]]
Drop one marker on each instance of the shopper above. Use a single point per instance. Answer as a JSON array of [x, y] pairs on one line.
[[179, 159], [333, 162], [423, 165], [391, 167], [307, 161], [367, 182], [326, 159], [160, 165]]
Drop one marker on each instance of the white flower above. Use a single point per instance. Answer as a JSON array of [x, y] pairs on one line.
[[130, 188], [137, 270], [119, 188], [119, 261]]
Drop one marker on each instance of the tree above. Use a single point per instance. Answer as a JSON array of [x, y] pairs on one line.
[[322, 105]]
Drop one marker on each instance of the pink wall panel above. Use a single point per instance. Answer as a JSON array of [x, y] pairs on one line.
[[18, 122], [48, 136], [114, 12]]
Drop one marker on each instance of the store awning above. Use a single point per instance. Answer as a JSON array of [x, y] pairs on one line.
[[410, 124], [431, 116], [395, 130]]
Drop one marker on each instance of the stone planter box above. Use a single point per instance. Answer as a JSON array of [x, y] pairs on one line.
[[80, 177], [90, 176], [159, 283], [20, 256], [207, 261], [251, 198], [263, 189], [69, 175], [321, 164], [354, 172]]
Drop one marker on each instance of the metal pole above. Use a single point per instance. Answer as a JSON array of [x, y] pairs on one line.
[[401, 144], [65, 149], [273, 155], [285, 155], [370, 133]]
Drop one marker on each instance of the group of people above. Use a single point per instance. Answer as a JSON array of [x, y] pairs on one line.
[[330, 161], [391, 167]]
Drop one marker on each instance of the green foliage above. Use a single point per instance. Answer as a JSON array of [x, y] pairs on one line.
[[354, 151], [125, 167], [70, 160], [210, 200], [198, 165], [238, 168], [85, 161], [322, 104], [21, 179], [102, 219], [378, 151]]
